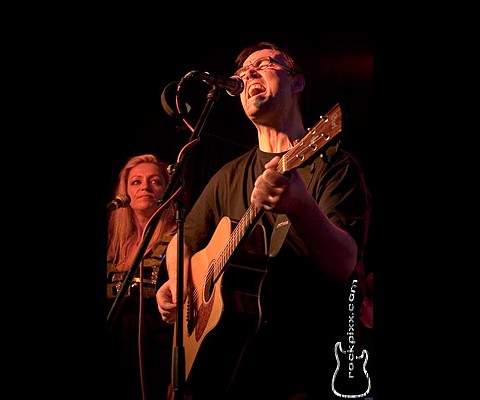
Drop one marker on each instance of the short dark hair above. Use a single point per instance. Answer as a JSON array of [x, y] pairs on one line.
[[245, 53]]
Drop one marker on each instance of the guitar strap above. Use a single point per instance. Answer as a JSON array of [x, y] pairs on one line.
[[282, 224]]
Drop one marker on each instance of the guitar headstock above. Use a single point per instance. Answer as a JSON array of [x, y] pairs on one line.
[[328, 127]]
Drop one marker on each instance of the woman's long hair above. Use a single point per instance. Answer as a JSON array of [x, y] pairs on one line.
[[122, 231]]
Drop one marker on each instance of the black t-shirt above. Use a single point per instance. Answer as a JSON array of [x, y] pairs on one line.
[[302, 312]]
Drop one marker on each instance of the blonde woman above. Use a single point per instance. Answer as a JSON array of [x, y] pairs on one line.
[[138, 366]]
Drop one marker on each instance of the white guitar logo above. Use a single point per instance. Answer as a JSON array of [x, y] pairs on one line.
[[352, 386]]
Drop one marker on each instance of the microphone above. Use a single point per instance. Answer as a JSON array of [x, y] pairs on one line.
[[233, 85], [122, 200]]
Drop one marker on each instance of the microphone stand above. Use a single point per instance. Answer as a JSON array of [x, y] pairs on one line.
[[178, 362]]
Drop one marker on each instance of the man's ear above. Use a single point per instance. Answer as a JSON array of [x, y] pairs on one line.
[[298, 83]]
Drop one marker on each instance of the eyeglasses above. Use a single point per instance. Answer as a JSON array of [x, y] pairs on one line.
[[261, 64]]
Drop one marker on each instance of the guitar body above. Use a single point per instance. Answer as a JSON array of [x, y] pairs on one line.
[[222, 315]]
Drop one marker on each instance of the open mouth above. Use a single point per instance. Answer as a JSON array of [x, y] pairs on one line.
[[255, 89]]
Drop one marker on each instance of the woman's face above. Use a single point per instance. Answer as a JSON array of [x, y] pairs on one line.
[[145, 186]]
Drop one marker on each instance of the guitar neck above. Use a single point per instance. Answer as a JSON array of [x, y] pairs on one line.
[[242, 230]]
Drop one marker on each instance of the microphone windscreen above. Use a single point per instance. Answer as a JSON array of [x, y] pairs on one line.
[[170, 92], [168, 100], [124, 198]]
